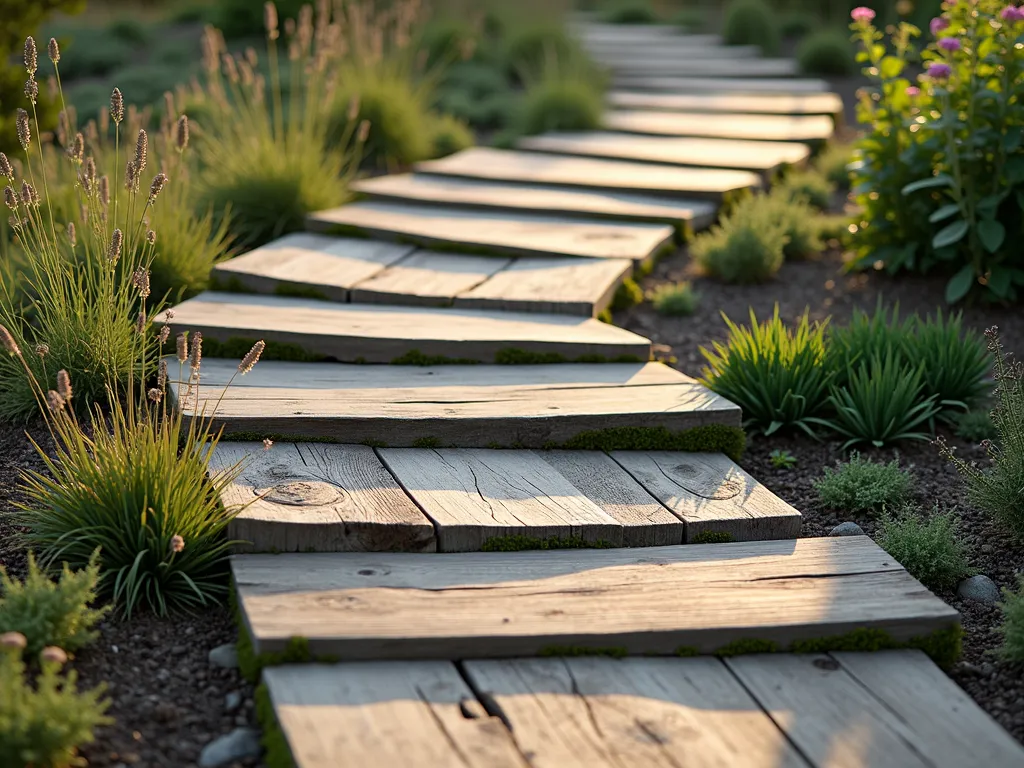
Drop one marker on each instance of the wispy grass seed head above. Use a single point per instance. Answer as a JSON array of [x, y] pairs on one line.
[[6, 169], [31, 58], [114, 251], [64, 385], [8, 342], [116, 106], [21, 124], [251, 358], [181, 133], [53, 50], [31, 89], [141, 151]]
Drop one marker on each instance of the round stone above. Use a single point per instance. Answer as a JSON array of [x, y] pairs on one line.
[[847, 529]]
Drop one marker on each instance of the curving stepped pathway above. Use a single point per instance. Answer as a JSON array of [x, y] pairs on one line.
[[486, 534]]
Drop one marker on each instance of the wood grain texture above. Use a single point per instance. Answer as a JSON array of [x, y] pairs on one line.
[[709, 67], [440, 190], [329, 265], [652, 600], [316, 497], [473, 495], [712, 494], [427, 278], [497, 231], [593, 32], [787, 128], [411, 714], [644, 521], [828, 715], [380, 334], [950, 729], [723, 85], [760, 156], [527, 167], [635, 713], [750, 103], [465, 406], [658, 55], [560, 286]]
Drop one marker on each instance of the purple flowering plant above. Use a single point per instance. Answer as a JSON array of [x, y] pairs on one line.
[[940, 172]]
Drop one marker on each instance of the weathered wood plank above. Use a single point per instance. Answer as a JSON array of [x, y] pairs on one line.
[[723, 85], [712, 67], [560, 286], [474, 495], [380, 334], [723, 126], [760, 156], [465, 406], [950, 729], [830, 717], [327, 265], [316, 497], [511, 166], [639, 34], [469, 193], [711, 494], [645, 522], [604, 713], [750, 103], [496, 231], [651, 600], [427, 278], [657, 55], [416, 715]]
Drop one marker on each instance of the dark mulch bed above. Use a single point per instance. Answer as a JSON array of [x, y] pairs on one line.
[[822, 287]]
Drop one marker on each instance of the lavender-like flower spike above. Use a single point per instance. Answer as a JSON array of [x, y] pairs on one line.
[[11, 198], [196, 354], [140, 322], [31, 60], [114, 252], [54, 401], [31, 89], [270, 20], [64, 385], [117, 105], [8, 342], [251, 358], [141, 151], [182, 347], [71, 234], [104, 190], [151, 237], [6, 169], [54, 50], [157, 186], [181, 134], [22, 128], [141, 281]]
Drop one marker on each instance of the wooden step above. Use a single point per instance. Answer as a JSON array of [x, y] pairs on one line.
[[810, 128], [527, 167], [430, 278], [750, 103], [467, 193], [657, 600], [657, 55], [346, 498], [862, 710], [764, 157], [383, 334], [719, 85], [595, 32], [527, 406], [747, 69], [495, 231]]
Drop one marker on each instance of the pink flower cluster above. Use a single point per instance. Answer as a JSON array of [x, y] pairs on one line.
[[1012, 13], [862, 15]]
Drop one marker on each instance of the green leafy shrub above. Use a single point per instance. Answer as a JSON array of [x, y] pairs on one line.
[[244, 18], [629, 12], [975, 426], [674, 299], [561, 102], [43, 722], [530, 47], [1012, 628], [690, 20], [478, 93], [782, 459], [998, 489], [826, 52], [941, 177], [798, 24], [929, 548], [130, 30], [832, 163], [861, 485], [777, 375], [449, 135], [396, 113], [811, 185], [51, 613], [747, 246], [800, 220], [751, 22]]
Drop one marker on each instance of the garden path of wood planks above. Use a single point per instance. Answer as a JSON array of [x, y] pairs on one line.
[[440, 391]]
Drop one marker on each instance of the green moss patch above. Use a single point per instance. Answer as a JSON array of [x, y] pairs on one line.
[[576, 650], [426, 442], [297, 291], [277, 752], [238, 346], [711, 438], [343, 230], [627, 295], [521, 543], [415, 357], [712, 537], [686, 651], [747, 645]]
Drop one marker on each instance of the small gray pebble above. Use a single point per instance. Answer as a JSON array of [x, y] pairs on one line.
[[980, 589], [232, 701], [240, 744], [847, 529], [225, 656]]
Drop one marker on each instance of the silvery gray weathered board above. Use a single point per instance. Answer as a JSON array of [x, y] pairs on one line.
[[724, 126], [723, 85], [469, 193], [528, 406], [749, 103], [533, 168], [495, 231], [747, 69]]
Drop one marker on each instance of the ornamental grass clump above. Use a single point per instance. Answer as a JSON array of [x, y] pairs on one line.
[[929, 547], [674, 299], [777, 375], [747, 246], [1012, 627], [560, 99], [811, 185], [998, 489], [861, 485]]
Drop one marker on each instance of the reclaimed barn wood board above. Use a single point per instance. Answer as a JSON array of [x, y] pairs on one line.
[[645, 522], [306, 497], [511, 166], [639, 34], [649, 713], [760, 156], [480, 406], [832, 718], [657, 55], [949, 728], [327, 265], [380, 334], [652, 600], [474, 495], [722, 85], [711, 494], [418, 714], [711, 67], [427, 278], [749, 127], [496, 231], [541, 284], [467, 193], [749, 103]]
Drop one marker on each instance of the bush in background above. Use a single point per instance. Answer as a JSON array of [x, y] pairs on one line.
[[561, 102], [810, 185], [861, 485], [797, 24], [751, 22], [449, 135], [929, 547], [746, 246], [1012, 628], [832, 163], [396, 113], [826, 52], [629, 12], [674, 299]]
